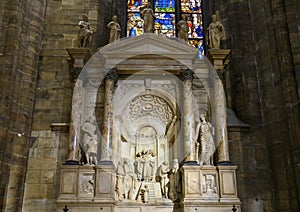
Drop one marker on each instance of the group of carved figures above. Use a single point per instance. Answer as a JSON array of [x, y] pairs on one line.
[[129, 186], [215, 31]]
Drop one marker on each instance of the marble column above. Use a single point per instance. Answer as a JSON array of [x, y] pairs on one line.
[[189, 119], [221, 123], [74, 130], [107, 128]]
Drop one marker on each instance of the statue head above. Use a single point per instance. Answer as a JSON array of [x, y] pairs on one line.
[[114, 18], [202, 117], [214, 18]]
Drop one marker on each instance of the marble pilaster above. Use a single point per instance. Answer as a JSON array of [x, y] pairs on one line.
[[189, 123], [107, 128]]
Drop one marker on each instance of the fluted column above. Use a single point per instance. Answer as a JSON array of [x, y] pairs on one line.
[[221, 123], [107, 128], [189, 120]]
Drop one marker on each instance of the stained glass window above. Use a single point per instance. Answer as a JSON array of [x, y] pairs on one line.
[[165, 22]]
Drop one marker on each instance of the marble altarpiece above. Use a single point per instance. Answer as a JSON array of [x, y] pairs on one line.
[[147, 152]]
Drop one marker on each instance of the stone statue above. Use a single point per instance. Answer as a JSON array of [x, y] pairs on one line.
[[84, 34], [144, 166], [148, 166], [149, 18], [89, 144], [125, 179], [91, 150], [174, 180], [183, 28], [204, 130], [138, 166], [216, 33], [145, 194], [164, 170], [115, 29]]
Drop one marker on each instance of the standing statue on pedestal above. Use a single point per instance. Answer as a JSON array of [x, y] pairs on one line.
[[84, 34], [115, 29], [89, 144], [183, 28], [216, 33], [148, 15], [204, 130]]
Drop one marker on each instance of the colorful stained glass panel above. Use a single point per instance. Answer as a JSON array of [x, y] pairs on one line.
[[164, 5], [191, 6], [134, 24], [165, 24], [195, 25], [135, 5]]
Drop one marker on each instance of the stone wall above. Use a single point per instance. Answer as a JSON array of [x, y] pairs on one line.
[[49, 147], [21, 26], [274, 36]]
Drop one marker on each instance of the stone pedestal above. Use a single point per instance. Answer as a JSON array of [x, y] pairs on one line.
[[228, 186], [105, 183], [79, 56], [209, 188], [219, 57]]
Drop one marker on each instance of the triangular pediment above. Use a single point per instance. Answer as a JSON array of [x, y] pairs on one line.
[[148, 44]]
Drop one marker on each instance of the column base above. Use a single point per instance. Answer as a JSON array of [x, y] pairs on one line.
[[71, 162]]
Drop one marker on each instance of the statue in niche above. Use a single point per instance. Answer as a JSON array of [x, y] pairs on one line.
[[183, 28], [84, 34], [163, 172], [209, 185], [125, 179], [216, 33], [148, 159], [174, 179], [144, 166], [89, 144], [148, 15], [115, 29], [204, 130], [138, 166]]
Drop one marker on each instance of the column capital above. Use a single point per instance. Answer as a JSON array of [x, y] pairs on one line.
[[186, 74], [112, 75]]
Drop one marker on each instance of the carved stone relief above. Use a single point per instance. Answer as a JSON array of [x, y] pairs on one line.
[[86, 185], [150, 105], [209, 185]]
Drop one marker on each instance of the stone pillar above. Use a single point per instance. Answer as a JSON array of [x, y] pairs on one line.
[[221, 123], [107, 128], [79, 57], [189, 120]]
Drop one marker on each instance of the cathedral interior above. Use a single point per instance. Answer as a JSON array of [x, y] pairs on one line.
[[101, 111]]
